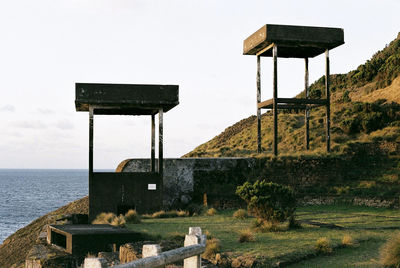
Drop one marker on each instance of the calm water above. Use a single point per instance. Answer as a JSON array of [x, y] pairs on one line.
[[28, 194]]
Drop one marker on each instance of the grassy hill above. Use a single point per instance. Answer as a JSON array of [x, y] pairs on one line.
[[365, 107]]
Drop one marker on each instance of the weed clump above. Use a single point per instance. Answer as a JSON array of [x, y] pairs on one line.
[[390, 252], [104, 218], [212, 248], [246, 236], [347, 240], [323, 245], [132, 216], [240, 214], [166, 214], [211, 212], [119, 221]]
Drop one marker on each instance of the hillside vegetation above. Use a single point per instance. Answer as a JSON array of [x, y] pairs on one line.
[[364, 108]]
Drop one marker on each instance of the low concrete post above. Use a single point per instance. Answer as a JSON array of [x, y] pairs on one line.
[[95, 263], [151, 250], [194, 237]]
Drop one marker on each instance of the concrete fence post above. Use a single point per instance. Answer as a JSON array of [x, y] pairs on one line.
[[95, 263], [151, 250], [194, 237]]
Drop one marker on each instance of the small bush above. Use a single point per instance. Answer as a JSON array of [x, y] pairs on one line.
[[347, 240], [211, 212], [390, 252], [104, 218], [267, 200], [323, 245], [132, 216], [212, 248], [246, 236], [119, 221], [240, 214]]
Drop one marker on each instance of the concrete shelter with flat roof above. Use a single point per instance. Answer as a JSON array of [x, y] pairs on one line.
[[118, 192]]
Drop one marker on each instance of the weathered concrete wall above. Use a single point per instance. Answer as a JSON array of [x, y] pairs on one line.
[[187, 179], [183, 176]]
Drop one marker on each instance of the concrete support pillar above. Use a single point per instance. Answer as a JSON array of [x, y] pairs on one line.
[[328, 103], [275, 96], [307, 111], [258, 101], [153, 143]]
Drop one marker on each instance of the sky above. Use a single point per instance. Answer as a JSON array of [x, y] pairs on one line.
[[46, 46]]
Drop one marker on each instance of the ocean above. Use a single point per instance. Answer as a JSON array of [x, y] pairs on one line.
[[26, 194]]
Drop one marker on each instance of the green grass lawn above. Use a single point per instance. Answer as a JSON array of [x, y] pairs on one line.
[[369, 226]]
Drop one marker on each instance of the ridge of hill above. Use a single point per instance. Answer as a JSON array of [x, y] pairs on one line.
[[365, 107]]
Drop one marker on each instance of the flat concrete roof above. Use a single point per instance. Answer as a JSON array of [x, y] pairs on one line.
[[125, 99], [88, 229], [293, 41]]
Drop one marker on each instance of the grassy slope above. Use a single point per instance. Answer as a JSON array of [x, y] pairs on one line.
[[377, 79], [294, 244], [15, 248]]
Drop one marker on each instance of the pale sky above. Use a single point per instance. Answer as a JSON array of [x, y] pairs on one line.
[[47, 46]]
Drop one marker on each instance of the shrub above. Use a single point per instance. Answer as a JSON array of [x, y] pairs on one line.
[[240, 214], [212, 248], [390, 252], [132, 216], [346, 96], [267, 200], [211, 212], [347, 240], [104, 218], [323, 245], [246, 236]]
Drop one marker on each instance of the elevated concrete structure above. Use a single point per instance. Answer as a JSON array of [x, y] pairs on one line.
[[289, 41]]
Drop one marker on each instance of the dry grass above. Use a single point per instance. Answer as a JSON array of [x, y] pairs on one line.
[[211, 212], [132, 216], [212, 248], [323, 245], [166, 214], [240, 214], [104, 218], [390, 252], [119, 221], [347, 240], [246, 236]]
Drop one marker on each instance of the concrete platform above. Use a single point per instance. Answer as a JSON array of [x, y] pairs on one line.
[[125, 99], [292, 41], [81, 239]]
